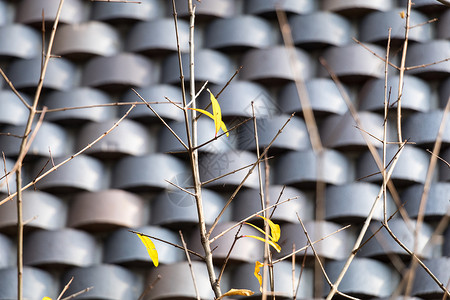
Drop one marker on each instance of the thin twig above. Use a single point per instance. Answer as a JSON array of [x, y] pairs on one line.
[[167, 242], [78, 293], [150, 287], [161, 119], [362, 233], [194, 280], [180, 188], [424, 198], [39, 178], [248, 218], [65, 288], [438, 157], [230, 199]]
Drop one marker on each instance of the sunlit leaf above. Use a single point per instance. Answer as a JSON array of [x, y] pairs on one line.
[[271, 243], [257, 273], [151, 249], [46, 298], [237, 292], [275, 230], [216, 115]]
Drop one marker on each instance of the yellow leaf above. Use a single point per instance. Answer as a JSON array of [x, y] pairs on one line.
[[402, 14], [257, 273], [235, 292], [275, 230], [46, 298], [271, 243], [151, 249], [216, 115]]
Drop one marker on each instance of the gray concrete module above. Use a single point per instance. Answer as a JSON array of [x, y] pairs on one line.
[[150, 172], [37, 283], [415, 96], [341, 131], [383, 246], [424, 286], [299, 168], [444, 170], [353, 63], [267, 8], [352, 202], [129, 138], [242, 278], [427, 6], [374, 27], [357, 7], [118, 72], [12, 110], [30, 12], [118, 12], [76, 97], [85, 40], [106, 210], [82, 174], [22, 41], [176, 209], [110, 282], [125, 248], [64, 248], [43, 210], [183, 289], [154, 93], [208, 9], [429, 53], [158, 37], [293, 137], [239, 33], [437, 203], [320, 29], [7, 183], [411, 167], [446, 245], [444, 93], [425, 136], [210, 65], [215, 165], [245, 249], [25, 74], [335, 247], [167, 142], [443, 25], [248, 202], [324, 97], [4, 13], [6, 248], [50, 141], [365, 278], [272, 66]]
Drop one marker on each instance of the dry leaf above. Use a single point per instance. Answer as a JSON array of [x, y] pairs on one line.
[[402, 14], [257, 273], [216, 115], [236, 292], [151, 249]]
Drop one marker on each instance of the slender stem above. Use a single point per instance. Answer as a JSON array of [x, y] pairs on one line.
[[386, 101], [335, 286], [194, 280], [31, 115], [401, 74]]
